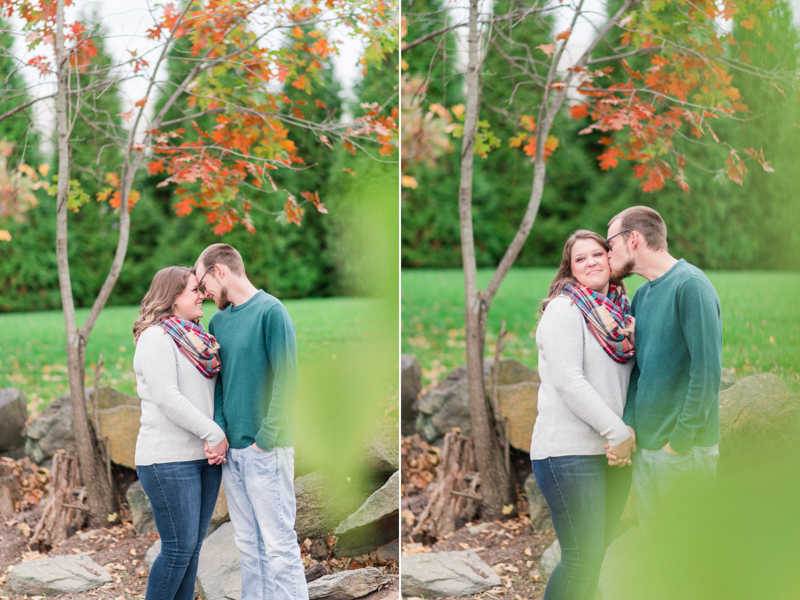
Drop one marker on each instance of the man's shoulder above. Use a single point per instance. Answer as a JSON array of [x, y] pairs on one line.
[[692, 277]]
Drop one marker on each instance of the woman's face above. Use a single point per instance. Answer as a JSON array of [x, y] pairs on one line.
[[589, 265], [189, 305]]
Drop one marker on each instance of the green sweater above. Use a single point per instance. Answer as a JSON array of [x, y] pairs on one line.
[[674, 391], [257, 383]]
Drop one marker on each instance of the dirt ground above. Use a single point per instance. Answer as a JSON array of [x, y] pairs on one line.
[[511, 547], [117, 548]]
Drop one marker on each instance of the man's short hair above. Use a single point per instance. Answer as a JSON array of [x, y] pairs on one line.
[[647, 222], [223, 254]]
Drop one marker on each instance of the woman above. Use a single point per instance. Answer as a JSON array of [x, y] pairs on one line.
[[176, 370], [585, 360]]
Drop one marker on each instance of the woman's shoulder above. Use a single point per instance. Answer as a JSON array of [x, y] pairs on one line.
[[152, 337], [560, 307]]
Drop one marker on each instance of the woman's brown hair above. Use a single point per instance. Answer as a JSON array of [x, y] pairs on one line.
[[564, 276], [159, 300]]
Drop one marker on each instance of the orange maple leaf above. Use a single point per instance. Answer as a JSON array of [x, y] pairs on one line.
[[578, 111], [547, 49], [564, 35], [141, 102]]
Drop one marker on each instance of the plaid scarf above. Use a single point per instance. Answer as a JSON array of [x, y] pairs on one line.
[[195, 344], [606, 317]]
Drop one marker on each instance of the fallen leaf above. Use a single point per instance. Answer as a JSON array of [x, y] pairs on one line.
[[527, 551], [508, 509]]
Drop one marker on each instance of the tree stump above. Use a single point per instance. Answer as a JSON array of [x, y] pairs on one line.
[[64, 510], [9, 491], [453, 491]]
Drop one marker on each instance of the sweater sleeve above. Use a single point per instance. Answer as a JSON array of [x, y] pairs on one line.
[[281, 344], [561, 333], [219, 413], [160, 372], [700, 321]]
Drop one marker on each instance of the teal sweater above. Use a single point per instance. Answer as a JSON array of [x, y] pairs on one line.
[[257, 384], [674, 391]]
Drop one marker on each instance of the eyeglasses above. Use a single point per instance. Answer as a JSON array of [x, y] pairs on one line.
[[200, 283], [616, 234]]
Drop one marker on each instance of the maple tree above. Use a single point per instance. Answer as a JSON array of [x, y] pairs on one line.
[[238, 72], [653, 78]]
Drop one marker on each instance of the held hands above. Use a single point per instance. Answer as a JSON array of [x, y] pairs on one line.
[[620, 456], [216, 454]]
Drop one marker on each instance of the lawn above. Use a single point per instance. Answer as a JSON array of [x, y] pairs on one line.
[[760, 322], [33, 356]]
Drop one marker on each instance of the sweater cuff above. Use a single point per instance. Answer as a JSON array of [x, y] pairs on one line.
[[680, 442], [216, 437], [265, 441], [620, 434]]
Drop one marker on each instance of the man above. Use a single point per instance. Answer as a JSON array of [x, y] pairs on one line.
[[253, 404], [673, 398]]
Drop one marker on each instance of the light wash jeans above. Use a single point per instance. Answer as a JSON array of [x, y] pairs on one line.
[[259, 489], [656, 473]]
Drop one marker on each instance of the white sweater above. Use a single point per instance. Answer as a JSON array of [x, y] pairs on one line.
[[583, 390], [177, 402]]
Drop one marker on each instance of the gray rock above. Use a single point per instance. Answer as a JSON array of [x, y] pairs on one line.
[[519, 403], [630, 516], [53, 429], [152, 554], [617, 578], [381, 455], [218, 575], [447, 405], [13, 414], [347, 585], [410, 387], [728, 380], [376, 523], [322, 505], [389, 552], [141, 511], [56, 576], [480, 528], [550, 559], [539, 511], [749, 389], [440, 574]]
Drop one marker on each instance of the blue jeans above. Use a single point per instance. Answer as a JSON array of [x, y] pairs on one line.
[[586, 499], [259, 487], [658, 474], [183, 495]]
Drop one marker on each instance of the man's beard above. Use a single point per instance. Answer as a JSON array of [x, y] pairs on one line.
[[221, 299], [624, 271]]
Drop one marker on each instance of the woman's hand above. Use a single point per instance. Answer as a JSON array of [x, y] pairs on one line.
[[620, 455], [216, 454]]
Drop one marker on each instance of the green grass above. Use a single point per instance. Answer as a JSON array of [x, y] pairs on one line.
[[761, 328], [33, 356]]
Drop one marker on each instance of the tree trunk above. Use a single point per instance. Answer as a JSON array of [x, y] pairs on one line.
[[101, 495], [495, 480], [64, 511]]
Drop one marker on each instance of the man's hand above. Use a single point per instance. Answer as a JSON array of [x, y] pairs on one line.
[[668, 449], [216, 454], [256, 448], [620, 455]]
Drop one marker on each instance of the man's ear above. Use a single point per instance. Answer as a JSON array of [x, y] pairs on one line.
[[635, 239]]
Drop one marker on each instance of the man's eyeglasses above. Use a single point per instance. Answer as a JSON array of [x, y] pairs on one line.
[[616, 234], [200, 283]]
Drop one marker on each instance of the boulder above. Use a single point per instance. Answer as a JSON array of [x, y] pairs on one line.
[[13, 414], [141, 511], [321, 505], [749, 389], [447, 405], [53, 429], [727, 381], [441, 574], [550, 559], [347, 585], [537, 506], [381, 455], [376, 523], [764, 430], [58, 575], [617, 578], [518, 404], [218, 575], [629, 515], [221, 515], [410, 387], [119, 426], [388, 553], [152, 554]]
